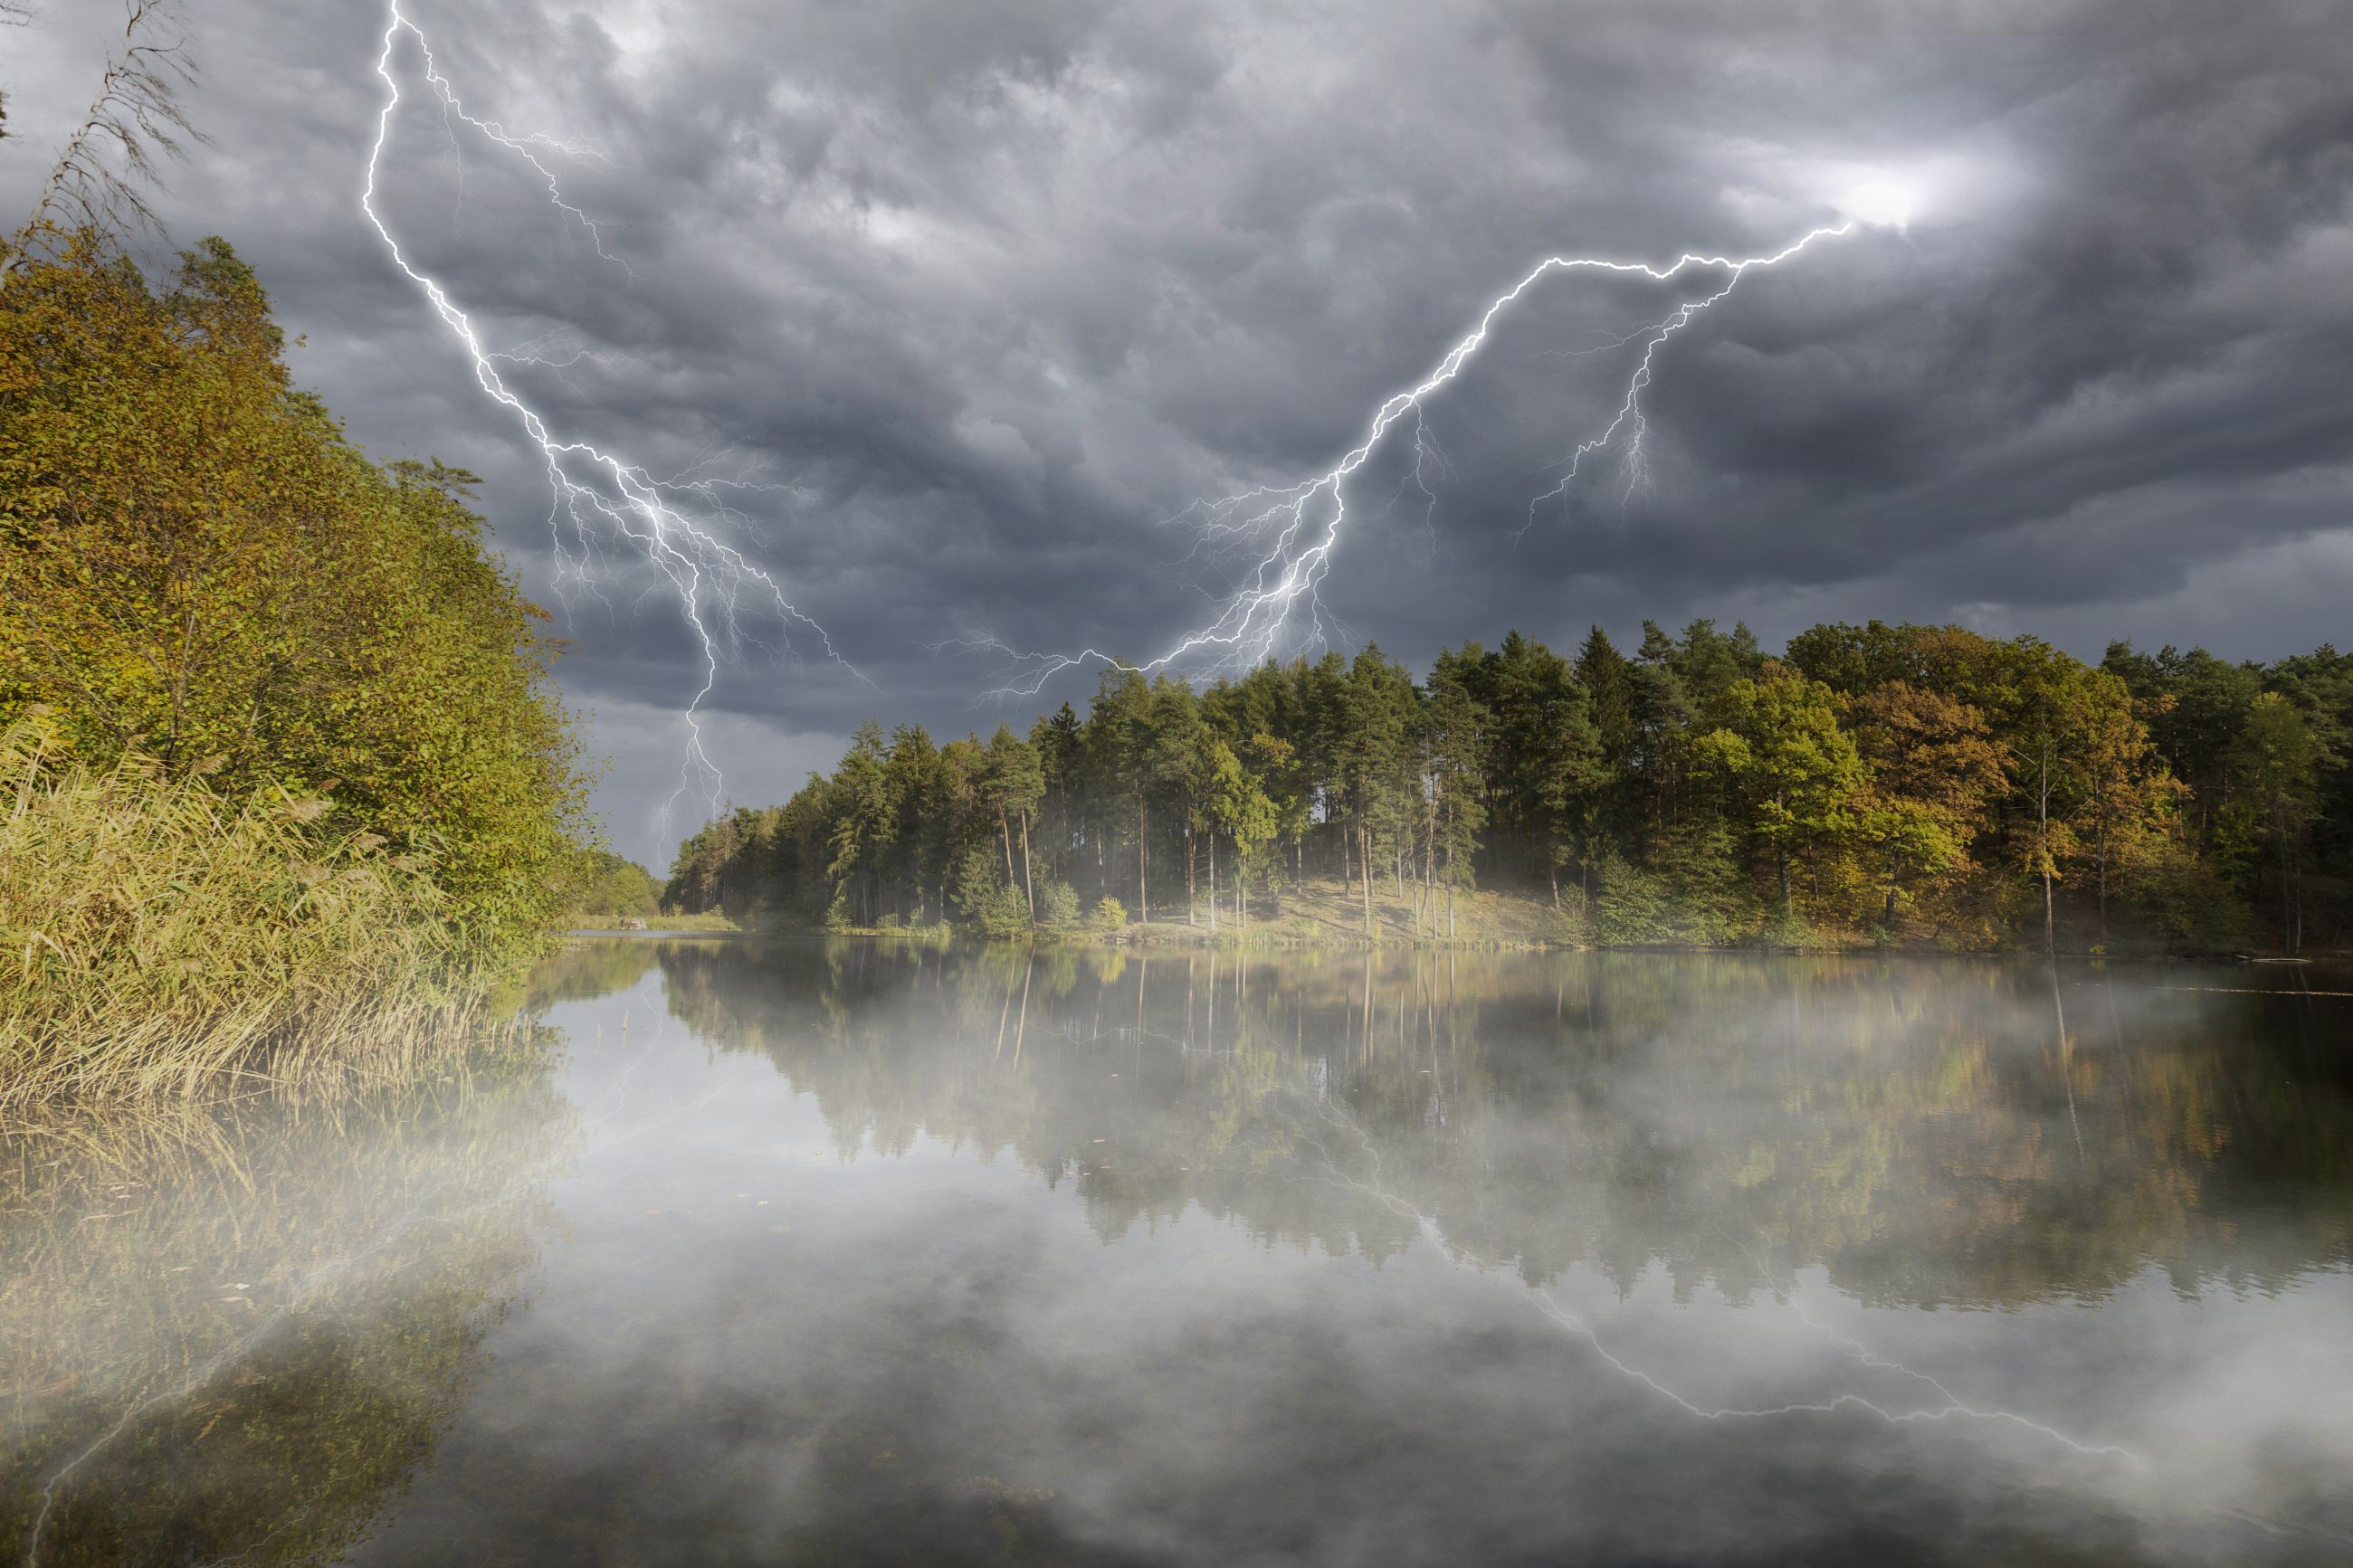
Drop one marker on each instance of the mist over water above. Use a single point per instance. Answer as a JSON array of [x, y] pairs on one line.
[[850, 1252]]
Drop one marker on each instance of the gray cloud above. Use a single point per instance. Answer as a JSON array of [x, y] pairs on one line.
[[976, 298]]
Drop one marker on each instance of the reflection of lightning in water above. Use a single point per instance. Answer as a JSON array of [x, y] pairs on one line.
[[703, 571], [1550, 1306], [1304, 521], [302, 1295], [1952, 1408]]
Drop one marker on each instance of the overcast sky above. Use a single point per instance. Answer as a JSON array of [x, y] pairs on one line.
[[960, 303]]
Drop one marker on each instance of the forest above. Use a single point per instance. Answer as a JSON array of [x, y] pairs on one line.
[[1901, 785]]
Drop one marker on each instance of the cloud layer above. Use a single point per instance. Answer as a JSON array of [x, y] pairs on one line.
[[974, 300]]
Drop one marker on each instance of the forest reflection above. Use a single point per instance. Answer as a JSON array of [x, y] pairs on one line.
[[1929, 1134], [233, 1331], [877, 1252]]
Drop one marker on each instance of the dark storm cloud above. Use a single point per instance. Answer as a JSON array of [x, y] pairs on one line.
[[974, 298]]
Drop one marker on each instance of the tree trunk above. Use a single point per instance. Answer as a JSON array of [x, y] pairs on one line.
[[2288, 904], [2043, 851], [1192, 859], [2101, 852], [1028, 888], [1365, 857], [1213, 884], [1142, 888], [1450, 893]]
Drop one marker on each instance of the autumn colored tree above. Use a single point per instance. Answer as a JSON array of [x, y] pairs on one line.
[[194, 563], [1936, 771]]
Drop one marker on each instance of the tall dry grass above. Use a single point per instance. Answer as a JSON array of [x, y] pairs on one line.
[[157, 938]]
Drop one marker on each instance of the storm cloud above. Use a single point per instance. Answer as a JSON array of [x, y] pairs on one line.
[[964, 303]]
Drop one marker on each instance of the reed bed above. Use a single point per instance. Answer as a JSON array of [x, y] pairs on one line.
[[161, 939]]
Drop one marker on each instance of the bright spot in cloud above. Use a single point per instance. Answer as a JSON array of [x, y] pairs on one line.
[[1882, 201]]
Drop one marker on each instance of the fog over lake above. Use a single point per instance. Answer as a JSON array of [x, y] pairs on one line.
[[863, 1252]]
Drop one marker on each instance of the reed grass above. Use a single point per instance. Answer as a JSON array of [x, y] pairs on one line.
[[161, 939]]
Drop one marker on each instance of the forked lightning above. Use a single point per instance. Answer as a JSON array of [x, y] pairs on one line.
[[594, 489]]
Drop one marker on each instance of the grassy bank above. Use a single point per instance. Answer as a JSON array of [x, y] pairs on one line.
[[1327, 913], [161, 938], [618, 924], [1323, 912]]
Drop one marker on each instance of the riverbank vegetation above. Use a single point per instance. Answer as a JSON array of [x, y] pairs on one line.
[[284, 770], [1882, 785]]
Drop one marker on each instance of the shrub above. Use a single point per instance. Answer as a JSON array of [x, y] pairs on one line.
[[1058, 907], [986, 899], [1630, 905], [1110, 914]]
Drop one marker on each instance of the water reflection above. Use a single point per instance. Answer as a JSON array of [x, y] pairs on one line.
[[877, 1254], [230, 1333], [1926, 1132]]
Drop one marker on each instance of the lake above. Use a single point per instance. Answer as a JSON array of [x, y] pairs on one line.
[[840, 1252]]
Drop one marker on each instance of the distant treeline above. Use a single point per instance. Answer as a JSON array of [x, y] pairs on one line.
[[1904, 783]]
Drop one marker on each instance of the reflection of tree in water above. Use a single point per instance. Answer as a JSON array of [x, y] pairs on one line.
[[253, 1321], [584, 970], [1920, 1129]]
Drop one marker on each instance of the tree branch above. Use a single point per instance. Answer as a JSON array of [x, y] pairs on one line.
[[136, 120]]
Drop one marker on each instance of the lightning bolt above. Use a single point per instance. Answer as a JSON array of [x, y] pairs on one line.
[[1303, 522], [1952, 1407], [595, 492]]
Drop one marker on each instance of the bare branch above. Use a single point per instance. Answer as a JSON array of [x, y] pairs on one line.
[[13, 14], [102, 178]]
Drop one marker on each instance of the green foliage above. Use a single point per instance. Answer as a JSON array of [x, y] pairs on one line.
[[1890, 784], [1058, 907], [985, 898], [194, 566], [1632, 909], [1110, 914], [606, 885], [1778, 738]]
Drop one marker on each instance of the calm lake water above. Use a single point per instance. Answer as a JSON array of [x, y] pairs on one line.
[[852, 1253]]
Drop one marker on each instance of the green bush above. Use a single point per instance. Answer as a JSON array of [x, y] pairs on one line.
[[1110, 914], [986, 899], [1631, 907], [1058, 907]]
